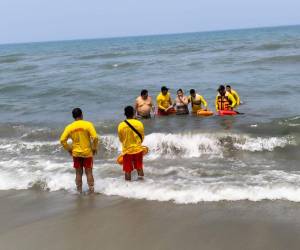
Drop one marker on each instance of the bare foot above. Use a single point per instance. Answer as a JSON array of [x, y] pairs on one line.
[[91, 190]]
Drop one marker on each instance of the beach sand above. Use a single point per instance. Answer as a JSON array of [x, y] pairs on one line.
[[32, 220]]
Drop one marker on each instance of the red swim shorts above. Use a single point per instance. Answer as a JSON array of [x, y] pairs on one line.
[[80, 162], [162, 112], [132, 161]]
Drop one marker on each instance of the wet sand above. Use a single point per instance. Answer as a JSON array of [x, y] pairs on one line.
[[32, 220]]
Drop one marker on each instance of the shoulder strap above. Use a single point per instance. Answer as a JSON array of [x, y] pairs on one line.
[[134, 129], [192, 103]]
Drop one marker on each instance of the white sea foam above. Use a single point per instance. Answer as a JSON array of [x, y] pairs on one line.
[[291, 122], [179, 184], [151, 190], [195, 145], [269, 184], [165, 145], [17, 146], [183, 145], [261, 144], [294, 124]]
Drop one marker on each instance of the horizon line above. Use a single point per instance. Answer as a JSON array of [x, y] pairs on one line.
[[146, 35]]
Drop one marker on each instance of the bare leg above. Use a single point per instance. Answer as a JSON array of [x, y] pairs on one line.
[[90, 179], [78, 180], [127, 176], [140, 173]]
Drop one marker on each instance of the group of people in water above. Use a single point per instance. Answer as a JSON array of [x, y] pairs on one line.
[[85, 140], [226, 99]]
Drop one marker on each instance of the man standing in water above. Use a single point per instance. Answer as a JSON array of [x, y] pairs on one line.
[[84, 146], [143, 105], [164, 102], [131, 135], [234, 94], [224, 100], [197, 101]]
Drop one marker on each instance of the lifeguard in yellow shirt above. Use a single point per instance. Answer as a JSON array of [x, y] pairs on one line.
[[224, 100], [234, 94], [83, 147], [164, 102], [131, 135], [197, 101]]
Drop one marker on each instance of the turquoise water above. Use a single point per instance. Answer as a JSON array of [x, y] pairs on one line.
[[192, 159]]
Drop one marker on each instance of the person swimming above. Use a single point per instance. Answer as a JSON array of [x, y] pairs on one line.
[[181, 103], [196, 101], [224, 100]]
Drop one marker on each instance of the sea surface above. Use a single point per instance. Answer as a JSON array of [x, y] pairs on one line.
[[254, 156]]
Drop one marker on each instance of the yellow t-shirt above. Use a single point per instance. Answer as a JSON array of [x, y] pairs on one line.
[[163, 101], [196, 102], [84, 138], [131, 142], [236, 96]]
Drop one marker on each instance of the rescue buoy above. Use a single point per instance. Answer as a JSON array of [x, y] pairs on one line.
[[202, 112], [171, 111], [227, 112]]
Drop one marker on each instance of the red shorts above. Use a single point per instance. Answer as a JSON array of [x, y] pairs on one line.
[[131, 162], [80, 162], [169, 112]]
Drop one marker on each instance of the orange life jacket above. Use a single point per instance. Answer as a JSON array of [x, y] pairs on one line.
[[224, 103]]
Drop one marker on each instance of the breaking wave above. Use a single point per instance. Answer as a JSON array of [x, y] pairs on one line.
[[162, 145], [182, 167], [176, 183]]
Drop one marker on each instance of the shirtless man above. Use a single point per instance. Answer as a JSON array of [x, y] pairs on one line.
[[144, 105]]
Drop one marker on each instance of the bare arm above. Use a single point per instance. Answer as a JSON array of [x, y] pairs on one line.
[[136, 106]]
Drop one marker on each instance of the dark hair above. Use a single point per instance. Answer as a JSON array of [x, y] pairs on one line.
[[164, 88], [144, 92], [77, 113], [221, 88], [129, 111], [228, 86], [192, 91], [179, 90]]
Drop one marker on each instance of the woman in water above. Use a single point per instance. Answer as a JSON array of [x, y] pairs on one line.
[[181, 103]]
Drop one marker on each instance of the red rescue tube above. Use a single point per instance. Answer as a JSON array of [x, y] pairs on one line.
[[227, 112], [171, 111]]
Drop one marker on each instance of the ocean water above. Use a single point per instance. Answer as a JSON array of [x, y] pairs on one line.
[[254, 156]]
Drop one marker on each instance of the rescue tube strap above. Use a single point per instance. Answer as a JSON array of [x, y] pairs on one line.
[[134, 129]]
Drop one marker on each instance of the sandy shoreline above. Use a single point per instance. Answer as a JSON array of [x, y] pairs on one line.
[[58, 220]]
